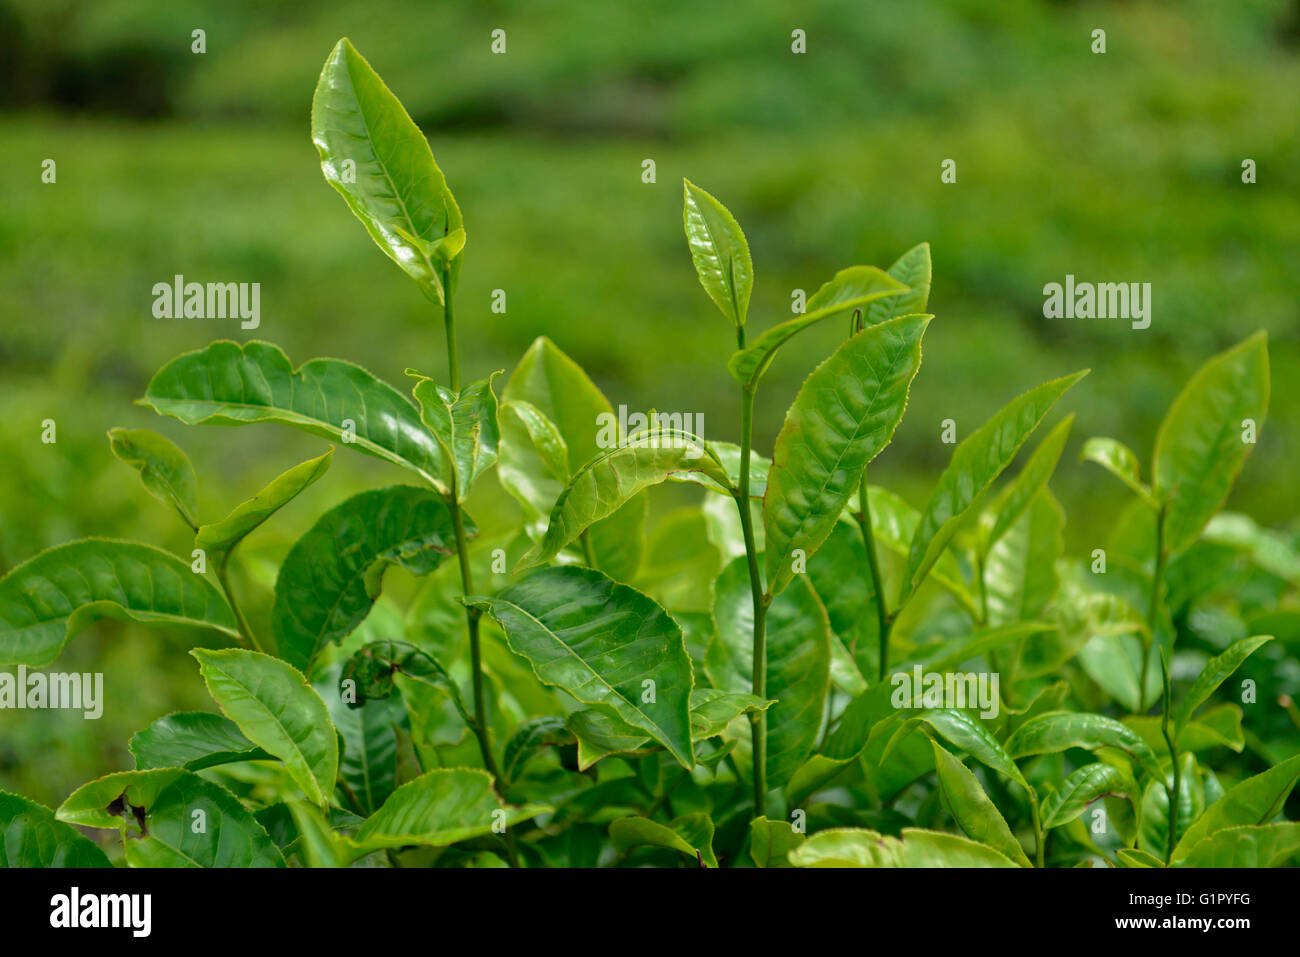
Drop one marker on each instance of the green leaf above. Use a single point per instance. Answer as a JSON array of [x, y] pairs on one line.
[[529, 738], [560, 391], [158, 812], [534, 462], [719, 251], [690, 834], [1132, 857], [605, 644], [368, 761], [1020, 577], [600, 734], [843, 416], [712, 710], [30, 836], [1088, 784], [440, 808], [279, 712], [912, 269], [605, 484], [465, 426], [55, 595], [1199, 448], [220, 538], [976, 463], [1057, 731], [967, 733], [859, 847], [333, 574], [227, 383], [1216, 671], [1120, 461], [318, 843], [165, 471], [981, 642], [798, 662], [1271, 845], [771, 841], [1254, 801], [374, 666], [1153, 833], [850, 288], [193, 740], [971, 808], [728, 456], [1033, 478], [376, 157]]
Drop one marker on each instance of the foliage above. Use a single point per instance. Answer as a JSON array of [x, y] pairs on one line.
[[621, 713]]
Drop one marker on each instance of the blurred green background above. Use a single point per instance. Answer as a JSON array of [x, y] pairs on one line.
[[1117, 167]]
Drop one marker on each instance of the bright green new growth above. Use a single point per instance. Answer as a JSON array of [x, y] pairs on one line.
[[573, 690]]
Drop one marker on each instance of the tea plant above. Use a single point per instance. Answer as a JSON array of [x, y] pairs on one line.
[[769, 680]]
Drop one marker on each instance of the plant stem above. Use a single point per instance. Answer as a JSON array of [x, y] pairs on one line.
[[1153, 606], [449, 324], [757, 719], [1040, 849], [1167, 700], [247, 637], [883, 621]]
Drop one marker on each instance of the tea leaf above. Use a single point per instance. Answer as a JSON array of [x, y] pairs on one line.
[[690, 834], [850, 288], [1020, 577], [30, 836], [530, 737], [1200, 447], [1270, 845], [377, 158], [912, 269], [843, 416], [605, 484], [1088, 784], [770, 842], [368, 762], [333, 574], [465, 426], [859, 847], [157, 812], [1216, 671], [534, 462], [719, 251], [220, 538], [1033, 478], [558, 388], [1254, 801], [1118, 459], [975, 464], [971, 808], [440, 808], [165, 471], [193, 740], [1058, 731], [231, 384], [278, 711], [604, 643], [53, 596]]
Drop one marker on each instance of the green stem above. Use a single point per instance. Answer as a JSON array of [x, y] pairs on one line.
[[1040, 839], [1167, 700], [247, 637], [1153, 606], [472, 618], [449, 324], [757, 719], [884, 622]]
